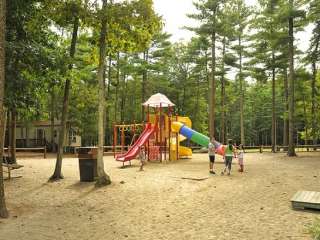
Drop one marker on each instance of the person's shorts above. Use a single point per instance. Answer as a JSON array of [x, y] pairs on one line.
[[228, 161], [212, 158]]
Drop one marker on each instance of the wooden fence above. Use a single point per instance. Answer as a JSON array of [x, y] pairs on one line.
[[268, 148], [279, 149], [109, 150], [37, 149]]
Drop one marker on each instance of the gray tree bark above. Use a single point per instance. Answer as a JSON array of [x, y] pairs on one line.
[[273, 125], [144, 86], [306, 124], [212, 83], [57, 175], [53, 144], [103, 178], [3, 208], [241, 93], [291, 147], [117, 89], [13, 127], [223, 95], [285, 118], [313, 103]]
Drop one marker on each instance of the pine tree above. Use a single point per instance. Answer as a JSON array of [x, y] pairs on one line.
[[3, 208], [75, 7], [102, 178], [314, 58], [208, 13], [267, 47], [242, 15], [291, 11]]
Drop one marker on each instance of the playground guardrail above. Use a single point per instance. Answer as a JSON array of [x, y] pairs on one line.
[[44, 149]]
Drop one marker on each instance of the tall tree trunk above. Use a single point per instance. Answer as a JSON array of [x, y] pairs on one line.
[[273, 69], [223, 95], [105, 97], [305, 121], [13, 127], [108, 126], [9, 128], [206, 68], [3, 208], [123, 97], [117, 88], [144, 86], [63, 128], [285, 117], [53, 144], [103, 178], [313, 103], [212, 85], [196, 107], [242, 138], [273, 124], [184, 91], [207, 75], [291, 147], [123, 92]]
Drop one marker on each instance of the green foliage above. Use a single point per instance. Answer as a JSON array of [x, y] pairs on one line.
[[37, 64], [131, 26], [30, 53], [314, 229]]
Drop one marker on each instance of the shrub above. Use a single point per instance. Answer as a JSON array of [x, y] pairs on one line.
[[314, 229]]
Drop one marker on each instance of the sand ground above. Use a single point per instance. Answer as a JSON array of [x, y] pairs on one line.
[[159, 204]]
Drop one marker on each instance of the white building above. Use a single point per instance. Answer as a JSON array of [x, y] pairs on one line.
[[38, 134]]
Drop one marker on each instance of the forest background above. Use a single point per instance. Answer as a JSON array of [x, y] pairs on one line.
[[235, 79]]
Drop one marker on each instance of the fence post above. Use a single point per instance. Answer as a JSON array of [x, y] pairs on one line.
[[45, 152], [261, 149]]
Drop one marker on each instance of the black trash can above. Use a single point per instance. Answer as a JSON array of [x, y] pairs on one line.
[[88, 163]]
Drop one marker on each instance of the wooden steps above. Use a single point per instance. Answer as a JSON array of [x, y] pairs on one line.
[[306, 200]]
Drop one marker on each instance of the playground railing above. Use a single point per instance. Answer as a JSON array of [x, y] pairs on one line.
[[109, 150], [268, 148], [118, 149], [279, 148], [25, 150]]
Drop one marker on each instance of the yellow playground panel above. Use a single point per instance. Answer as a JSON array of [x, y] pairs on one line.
[[169, 129]]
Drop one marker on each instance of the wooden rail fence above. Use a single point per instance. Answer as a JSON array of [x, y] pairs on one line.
[[43, 149]]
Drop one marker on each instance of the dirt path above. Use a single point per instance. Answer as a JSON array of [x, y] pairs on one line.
[[164, 201]]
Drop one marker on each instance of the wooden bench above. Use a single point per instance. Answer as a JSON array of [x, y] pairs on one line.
[[7, 168], [306, 200]]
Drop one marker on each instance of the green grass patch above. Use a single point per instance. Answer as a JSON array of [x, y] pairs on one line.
[[314, 229]]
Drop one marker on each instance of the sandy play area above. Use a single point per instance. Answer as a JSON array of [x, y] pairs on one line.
[[159, 204]]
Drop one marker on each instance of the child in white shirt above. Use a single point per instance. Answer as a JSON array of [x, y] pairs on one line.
[[240, 158]]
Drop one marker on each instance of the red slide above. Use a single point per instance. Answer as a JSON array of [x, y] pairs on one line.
[[134, 150]]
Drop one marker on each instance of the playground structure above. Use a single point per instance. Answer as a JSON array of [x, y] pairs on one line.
[[121, 129], [163, 133]]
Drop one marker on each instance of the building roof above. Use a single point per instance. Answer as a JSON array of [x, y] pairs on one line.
[[158, 100], [42, 123]]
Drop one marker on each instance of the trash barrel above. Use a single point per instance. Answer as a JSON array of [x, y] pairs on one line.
[[87, 163]]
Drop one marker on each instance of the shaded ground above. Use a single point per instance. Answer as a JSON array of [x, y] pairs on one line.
[[159, 204]]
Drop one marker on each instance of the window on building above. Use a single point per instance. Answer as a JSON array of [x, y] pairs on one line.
[[40, 134], [72, 136]]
